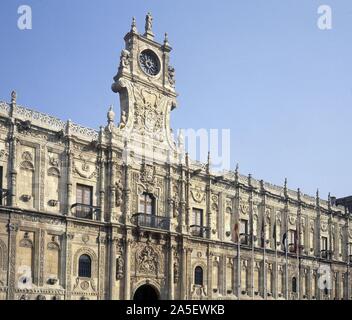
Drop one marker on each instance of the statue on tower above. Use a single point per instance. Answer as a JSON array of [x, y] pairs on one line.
[[149, 26]]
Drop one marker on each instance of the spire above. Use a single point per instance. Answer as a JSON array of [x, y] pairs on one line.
[[134, 26], [149, 26], [317, 198]]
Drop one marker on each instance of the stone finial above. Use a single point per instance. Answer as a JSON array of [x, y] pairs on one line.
[[285, 188], [299, 194], [187, 160], [134, 26], [149, 26], [237, 171], [166, 40], [111, 118], [317, 198], [250, 179], [329, 201], [208, 163], [13, 97]]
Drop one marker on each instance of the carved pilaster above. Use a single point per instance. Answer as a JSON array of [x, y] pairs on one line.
[[68, 245], [41, 257], [69, 159], [12, 165], [11, 276], [127, 283], [127, 206], [171, 270]]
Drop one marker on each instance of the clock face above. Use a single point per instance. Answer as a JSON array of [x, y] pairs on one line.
[[149, 62]]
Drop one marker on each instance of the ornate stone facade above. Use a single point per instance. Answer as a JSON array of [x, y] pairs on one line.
[[115, 247]]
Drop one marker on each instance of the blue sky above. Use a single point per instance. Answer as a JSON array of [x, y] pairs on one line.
[[260, 68]]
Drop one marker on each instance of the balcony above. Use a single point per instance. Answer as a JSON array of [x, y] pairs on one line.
[[325, 254], [151, 221], [199, 231], [4, 197], [84, 211], [292, 248], [244, 239]]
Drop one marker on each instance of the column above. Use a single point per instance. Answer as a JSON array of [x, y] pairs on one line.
[[11, 269], [112, 266], [127, 283], [184, 274], [171, 271]]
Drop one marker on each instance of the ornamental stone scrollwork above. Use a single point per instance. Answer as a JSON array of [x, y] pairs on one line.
[[3, 154], [198, 292], [176, 267], [27, 161], [147, 261], [83, 169], [324, 226], [244, 208], [147, 174], [12, 227], [148, 113], [198, 195], [26, 242], [350, 234], [3, 255], [292, 220], [171, 76]]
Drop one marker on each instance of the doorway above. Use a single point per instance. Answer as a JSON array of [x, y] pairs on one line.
[[146, 293]]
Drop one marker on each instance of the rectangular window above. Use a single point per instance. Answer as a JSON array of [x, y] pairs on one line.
[[324, 247], [324, 243], [146, 204], [197, 222], [84, 199], [244, 232], [292, 241]]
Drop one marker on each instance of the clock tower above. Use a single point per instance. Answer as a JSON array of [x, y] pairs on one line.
[[145, 82]]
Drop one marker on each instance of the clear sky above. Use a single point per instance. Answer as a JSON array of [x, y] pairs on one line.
[[260, 68]]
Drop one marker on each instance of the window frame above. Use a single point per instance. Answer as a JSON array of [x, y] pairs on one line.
[[85, 271], [198, 276]]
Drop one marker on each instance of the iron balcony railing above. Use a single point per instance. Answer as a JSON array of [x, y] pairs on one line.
[[199, 231], [325, 254], [4, 197], [85, 211], [151, 221]]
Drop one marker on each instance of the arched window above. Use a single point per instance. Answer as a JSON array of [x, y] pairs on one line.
[[294, 285], [85, 266], [198, 276]]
